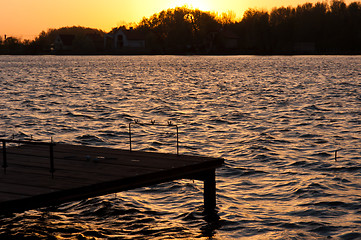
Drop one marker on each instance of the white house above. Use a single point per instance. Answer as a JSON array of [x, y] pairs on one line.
[[121, 38]]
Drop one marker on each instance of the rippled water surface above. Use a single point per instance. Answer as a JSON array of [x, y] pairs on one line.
[[276, 120]]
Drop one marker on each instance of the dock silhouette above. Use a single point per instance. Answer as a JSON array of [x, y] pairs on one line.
[[38, 174]]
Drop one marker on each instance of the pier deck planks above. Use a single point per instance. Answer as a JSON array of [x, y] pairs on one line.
[[82, 172]]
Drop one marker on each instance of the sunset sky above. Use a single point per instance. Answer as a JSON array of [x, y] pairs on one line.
[[25, 19]]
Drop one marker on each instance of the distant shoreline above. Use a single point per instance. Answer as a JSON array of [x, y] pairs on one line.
[[309, 29], [219, 54]]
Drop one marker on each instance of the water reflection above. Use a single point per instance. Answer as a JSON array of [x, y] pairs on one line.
[[276, 120]]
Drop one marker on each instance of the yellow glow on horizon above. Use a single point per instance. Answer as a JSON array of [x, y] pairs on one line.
[[27, 18], [203, 5]]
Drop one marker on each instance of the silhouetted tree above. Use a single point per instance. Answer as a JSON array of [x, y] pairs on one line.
[[180, 29], [227, 18], [310, 22], [354, 29], [12, 45], [329, 27], [82, 44], [282, 21], [256, 31]]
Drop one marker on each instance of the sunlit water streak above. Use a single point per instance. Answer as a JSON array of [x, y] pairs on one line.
[[276, 120]]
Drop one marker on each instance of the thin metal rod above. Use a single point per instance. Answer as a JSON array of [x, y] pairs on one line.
[[152, 122]]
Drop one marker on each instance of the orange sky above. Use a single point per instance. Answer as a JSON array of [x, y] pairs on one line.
[[25, 19]]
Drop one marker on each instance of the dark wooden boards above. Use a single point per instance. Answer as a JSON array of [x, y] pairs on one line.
[[83, 171]]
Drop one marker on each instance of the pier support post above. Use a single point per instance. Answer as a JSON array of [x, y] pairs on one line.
[[5, 164], [210, 191]]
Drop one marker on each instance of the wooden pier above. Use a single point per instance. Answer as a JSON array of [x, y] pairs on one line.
[[39, 175]]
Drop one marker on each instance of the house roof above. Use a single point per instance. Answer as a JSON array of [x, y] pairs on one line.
[[134, 35], [130, 34]]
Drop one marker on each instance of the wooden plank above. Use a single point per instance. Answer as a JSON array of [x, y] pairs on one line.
[[122, 152], [22, 189], [95, 174], [45, 180], [42, 178], [11, 196], [77, 160], [132, 158], [84, 166]]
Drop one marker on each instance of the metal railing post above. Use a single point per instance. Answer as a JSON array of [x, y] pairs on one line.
[[152, 122], [51, 148]]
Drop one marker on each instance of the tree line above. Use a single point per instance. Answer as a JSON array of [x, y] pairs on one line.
[[331, 28], [320, 28], [44, 42]]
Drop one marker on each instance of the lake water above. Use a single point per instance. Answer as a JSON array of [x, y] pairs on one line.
[[276, 120]]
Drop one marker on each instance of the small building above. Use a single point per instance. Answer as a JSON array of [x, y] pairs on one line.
[[94, 42], [230, 40], [120, 38], [222, 41], [64, 42]]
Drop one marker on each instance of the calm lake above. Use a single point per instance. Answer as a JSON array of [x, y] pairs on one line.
[[277, 120]]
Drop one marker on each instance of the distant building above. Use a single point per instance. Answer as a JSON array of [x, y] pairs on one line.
[[64, 42], [78, 43], [230, 40], [95, 42], [121, 38], [222, 41]]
